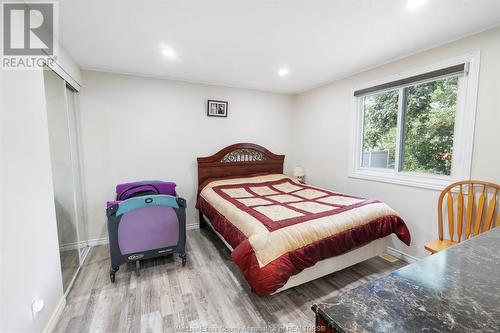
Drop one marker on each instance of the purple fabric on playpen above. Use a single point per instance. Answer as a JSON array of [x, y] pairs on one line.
[[127, 189], [148, 228]]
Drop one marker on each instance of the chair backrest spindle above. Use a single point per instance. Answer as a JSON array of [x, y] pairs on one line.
[[470, 211], [491, 210], [450, 215], [479, 213], [478, 218], [460, 213]]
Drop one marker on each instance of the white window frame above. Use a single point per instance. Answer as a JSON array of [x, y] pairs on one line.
[[463, 136]]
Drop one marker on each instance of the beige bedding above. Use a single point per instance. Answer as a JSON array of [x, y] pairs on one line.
[[280, 198]]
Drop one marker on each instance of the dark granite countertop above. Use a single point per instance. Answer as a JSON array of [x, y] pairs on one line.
[[456, 290]]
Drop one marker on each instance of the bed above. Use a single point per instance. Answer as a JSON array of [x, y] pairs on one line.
[[282, 233]]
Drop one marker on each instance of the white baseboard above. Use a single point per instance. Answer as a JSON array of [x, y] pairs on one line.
[[54, 318], [401, 255], [98, 241], [72, 246], [192, 226]]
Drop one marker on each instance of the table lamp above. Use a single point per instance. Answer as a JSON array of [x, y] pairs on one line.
[[300, 174]]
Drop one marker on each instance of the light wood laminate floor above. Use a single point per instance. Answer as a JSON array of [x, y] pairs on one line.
[[208, 292]]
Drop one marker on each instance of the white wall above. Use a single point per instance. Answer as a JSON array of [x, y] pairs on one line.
[[135, 128], [324, 123], [29, 252], [30, 265]]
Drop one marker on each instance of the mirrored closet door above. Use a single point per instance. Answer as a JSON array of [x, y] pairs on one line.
[[66, 174]]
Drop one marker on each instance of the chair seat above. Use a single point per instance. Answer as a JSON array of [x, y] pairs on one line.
[[438, 245]]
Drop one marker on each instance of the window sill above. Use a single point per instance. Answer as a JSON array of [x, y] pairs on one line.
[[432, 183]]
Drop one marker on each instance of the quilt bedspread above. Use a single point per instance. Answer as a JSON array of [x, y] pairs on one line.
[[278, 226]]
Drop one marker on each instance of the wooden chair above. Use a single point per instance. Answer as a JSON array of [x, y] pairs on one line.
[[478, 218]]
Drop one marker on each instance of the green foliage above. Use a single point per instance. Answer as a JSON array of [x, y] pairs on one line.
[[428, 125], [380, 120]]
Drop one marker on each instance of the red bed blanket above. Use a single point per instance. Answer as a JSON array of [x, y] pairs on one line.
[[278, 227]]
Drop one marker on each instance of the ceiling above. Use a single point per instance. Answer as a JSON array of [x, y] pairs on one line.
[[244, 43]]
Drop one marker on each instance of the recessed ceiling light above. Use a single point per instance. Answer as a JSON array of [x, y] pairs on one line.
[[168, 51], [283, 72], [412, 4]]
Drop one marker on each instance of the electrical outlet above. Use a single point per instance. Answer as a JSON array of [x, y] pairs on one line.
[[36, 308]]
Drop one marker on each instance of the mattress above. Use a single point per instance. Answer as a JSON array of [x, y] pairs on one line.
[[278, 227]]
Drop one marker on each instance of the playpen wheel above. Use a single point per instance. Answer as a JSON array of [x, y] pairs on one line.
[[112, 277], [184, 259]]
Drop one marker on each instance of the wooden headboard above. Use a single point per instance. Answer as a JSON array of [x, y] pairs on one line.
[[241, 159]]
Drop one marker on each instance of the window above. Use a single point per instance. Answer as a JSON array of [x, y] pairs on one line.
[[417, 129], [380, 118], [428, 126]]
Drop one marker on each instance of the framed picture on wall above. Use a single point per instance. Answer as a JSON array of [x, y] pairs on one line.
[[217, 108]]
